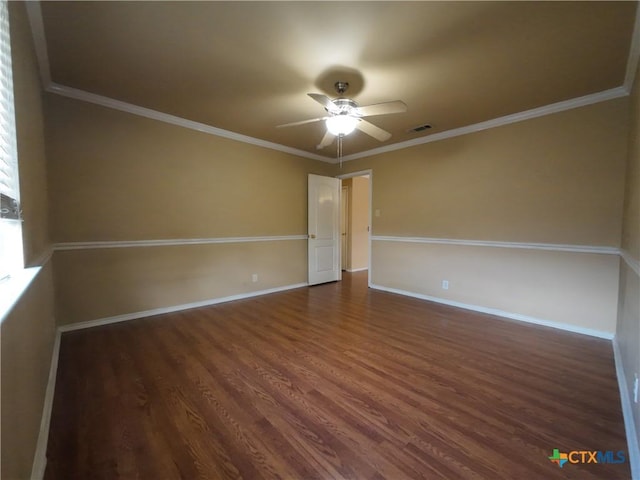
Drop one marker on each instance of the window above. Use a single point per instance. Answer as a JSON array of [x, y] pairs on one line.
[[11, 260]]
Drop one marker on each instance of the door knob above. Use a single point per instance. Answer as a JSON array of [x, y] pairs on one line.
[[312, 235]]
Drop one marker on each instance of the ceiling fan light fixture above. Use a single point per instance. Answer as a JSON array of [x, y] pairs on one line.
[[341, 124]]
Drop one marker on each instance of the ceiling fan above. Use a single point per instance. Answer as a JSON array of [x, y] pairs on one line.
[[345, 116]]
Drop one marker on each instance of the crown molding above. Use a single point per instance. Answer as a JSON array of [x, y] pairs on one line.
[[108, 102], [634, 53], [34, 13], [498, 122]]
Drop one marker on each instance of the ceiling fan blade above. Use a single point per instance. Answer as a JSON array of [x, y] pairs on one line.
[[324, 101], [372, 130], [396, 106], [302, 122], [326, 140]]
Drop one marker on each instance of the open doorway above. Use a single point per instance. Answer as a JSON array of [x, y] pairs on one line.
[[356, 221]]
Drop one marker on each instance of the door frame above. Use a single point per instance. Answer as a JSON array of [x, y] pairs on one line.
[[361, 173], [346, 219]]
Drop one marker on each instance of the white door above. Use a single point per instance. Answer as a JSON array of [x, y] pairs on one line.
[[324, 229]]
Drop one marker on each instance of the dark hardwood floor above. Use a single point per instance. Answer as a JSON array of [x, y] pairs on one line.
[[328, 382]]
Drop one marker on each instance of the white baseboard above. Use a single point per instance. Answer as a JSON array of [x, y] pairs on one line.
[[352, 270], [500, 313], [176, 308], [40, 456], [627, 414]]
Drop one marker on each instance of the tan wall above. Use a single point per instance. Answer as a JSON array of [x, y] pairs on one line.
[[26, 345], [27, 333], [556, 179], [359, 214], [576, 289], [30, 137], [357, 254], [628, 330], [553, 179], [115, 176], [96, 284], [631, 217]]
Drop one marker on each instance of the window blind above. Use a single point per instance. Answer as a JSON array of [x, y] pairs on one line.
[[10, 224]]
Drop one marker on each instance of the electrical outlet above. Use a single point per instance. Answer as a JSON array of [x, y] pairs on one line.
[[254, 277], [635, 388], [445, 284]]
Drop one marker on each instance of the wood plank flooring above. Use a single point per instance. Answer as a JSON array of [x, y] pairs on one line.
[[329, 382]]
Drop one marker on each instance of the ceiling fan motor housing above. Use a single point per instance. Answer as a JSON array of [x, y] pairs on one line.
[[345, 116], [346, 106]]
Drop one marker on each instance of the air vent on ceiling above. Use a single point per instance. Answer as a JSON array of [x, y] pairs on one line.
[[419, 128]]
